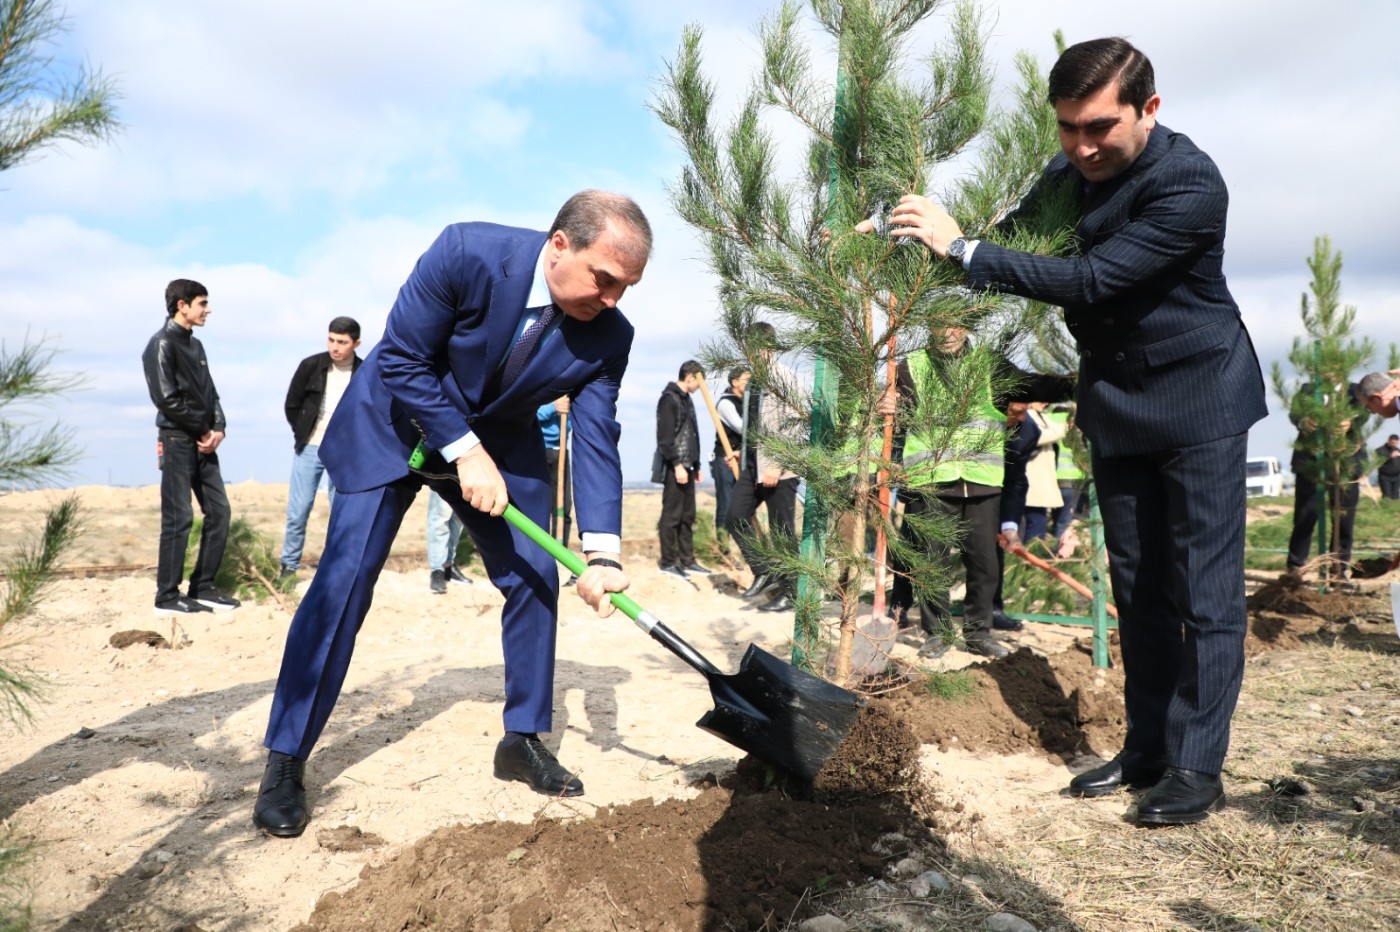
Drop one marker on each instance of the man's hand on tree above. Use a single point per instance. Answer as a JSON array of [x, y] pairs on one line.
[[597, 581], [918, 217], [482, 485]]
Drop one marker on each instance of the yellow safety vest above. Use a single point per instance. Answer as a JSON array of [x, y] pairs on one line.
[[976, 450], [1065, 470]]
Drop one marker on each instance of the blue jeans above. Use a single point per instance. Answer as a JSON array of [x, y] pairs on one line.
[[444, 532], [301, 495]]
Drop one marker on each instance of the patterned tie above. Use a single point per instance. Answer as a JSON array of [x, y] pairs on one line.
[[525, 346]]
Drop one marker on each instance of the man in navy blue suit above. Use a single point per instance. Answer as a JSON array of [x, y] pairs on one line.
[[1168, 387], [493, 322]]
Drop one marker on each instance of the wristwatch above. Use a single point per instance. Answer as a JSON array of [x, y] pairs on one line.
[[957, 249]]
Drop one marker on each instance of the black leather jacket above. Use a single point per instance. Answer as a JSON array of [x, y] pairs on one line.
[[677, 437], [177, 376], [303, 404]]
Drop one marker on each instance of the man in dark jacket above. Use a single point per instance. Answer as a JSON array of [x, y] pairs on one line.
[[1389, 471], [1169, 386], [316, 388], [678, 464], [191, 424]]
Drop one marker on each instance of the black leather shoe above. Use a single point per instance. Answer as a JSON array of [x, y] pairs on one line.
[[694, 567], [1181, 797], [437, 582], [1128, 768], [781, 604], [982, 643], [760, 582], [933, 647], [525, 758], [454, 573], [1004, 622], [671, 569], [281, 806]]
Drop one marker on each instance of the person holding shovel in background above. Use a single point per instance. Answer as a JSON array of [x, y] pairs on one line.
[[492, 322], [1169, 386]]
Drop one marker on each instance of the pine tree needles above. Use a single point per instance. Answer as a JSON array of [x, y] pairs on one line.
[[784, 251]]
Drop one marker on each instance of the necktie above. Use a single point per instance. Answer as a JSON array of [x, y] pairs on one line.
[[525, 346]]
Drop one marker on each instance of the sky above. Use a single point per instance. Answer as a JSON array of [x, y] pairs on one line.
[[296, 158]]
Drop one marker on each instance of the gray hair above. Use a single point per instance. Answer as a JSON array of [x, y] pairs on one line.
[[1371, 384], [585, 217]]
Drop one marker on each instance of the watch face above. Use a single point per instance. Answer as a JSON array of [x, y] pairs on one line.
[[956, 248]]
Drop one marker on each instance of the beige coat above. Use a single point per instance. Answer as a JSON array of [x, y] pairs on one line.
[[1044, 491]]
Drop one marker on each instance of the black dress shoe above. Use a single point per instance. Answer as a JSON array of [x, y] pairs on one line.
[[454, 573], [982, 643], [281, 806], [525, 758], [1128, 768], [781, 604], [671, 569], [693, 567], [437, 582], [760, 582], [1004, 622], [1181, 797]]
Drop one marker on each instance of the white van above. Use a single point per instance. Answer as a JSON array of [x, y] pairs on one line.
[[1263, 476]]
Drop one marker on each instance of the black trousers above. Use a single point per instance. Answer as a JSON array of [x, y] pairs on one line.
[[981, 521], [1390, 485], [744, 500], [551, 455], [677, 524], [184, 470], [1305, 522], [1174, 525]]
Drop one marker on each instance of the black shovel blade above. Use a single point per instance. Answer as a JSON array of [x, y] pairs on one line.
[[780, 713]]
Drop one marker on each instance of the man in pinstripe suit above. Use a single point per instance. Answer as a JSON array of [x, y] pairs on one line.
[[1168, 387]]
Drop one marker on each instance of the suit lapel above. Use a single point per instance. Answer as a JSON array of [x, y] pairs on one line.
[[1100, 203], [508, 297]]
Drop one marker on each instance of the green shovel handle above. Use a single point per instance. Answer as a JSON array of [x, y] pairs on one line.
[[572, 561]]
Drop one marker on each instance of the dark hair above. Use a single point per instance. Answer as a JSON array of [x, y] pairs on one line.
[[1393, 437], [585, 216], [346, 327], [1086, 68], [182, 289], [763, 335], [690, 367], [737, 373]]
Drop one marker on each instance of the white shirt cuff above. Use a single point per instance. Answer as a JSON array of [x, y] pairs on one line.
[[593, 542], [1009, 526], [460, 447]]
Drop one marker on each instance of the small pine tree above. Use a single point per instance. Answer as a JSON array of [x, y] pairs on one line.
[[1332, 428], [784, 251]]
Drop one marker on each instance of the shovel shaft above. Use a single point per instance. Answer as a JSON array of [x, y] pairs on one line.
[[625, 604]]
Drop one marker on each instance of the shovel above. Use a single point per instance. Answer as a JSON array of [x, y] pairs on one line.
[[770, 709], [875, 633], [1062, 576]]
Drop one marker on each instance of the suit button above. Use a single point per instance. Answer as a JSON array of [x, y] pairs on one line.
[[1118, 357], [1088, 353]]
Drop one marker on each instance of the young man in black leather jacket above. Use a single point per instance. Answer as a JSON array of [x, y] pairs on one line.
[[191, 425]]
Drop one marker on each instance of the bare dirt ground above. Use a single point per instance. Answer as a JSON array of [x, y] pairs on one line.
[[136, 778]]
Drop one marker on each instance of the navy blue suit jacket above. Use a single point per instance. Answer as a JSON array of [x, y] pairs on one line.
[[447, 336], [1165, 361]]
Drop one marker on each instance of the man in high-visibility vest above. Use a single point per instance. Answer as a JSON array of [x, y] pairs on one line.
[[954, 463]]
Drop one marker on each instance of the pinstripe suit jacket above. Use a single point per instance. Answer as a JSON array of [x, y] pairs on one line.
[[1165, 360]]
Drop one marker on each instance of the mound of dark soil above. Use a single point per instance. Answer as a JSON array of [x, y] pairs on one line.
[[747, 854], [1062, 706]]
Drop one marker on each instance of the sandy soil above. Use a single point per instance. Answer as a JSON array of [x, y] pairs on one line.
[[137, 775]]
